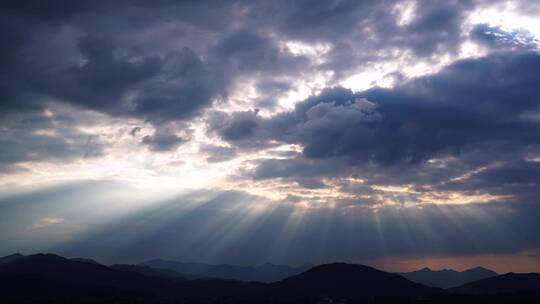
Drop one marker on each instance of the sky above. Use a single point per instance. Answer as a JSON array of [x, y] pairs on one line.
[[399, 134]]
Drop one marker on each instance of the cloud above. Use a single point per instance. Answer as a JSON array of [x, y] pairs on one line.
[[496, 38], [240, 126], [46, 222], [467, 134], [78, 54], [45, 136], [468, 103], [162, 142], [218, 153], [114, 71]]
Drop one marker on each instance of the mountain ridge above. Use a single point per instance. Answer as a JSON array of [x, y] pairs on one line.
[[49, 276], [339, 279], [266, 272], [504, 283], [448, 278]]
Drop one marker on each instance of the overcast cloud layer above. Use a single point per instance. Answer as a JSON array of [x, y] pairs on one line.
[[293, 131]]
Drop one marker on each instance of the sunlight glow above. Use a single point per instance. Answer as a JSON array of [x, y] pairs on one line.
[[507, 17]]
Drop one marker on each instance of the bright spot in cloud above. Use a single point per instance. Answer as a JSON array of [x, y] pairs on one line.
[[46, 222], [507, 17]]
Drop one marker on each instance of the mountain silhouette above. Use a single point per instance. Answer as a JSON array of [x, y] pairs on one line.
[[448, 278], [149, 271], [263, 273], [44, 278], [10, 258], [505, 283], [53, 275], [349, 280], [86, 260]]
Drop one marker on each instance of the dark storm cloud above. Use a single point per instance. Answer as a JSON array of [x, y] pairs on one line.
[[162, 141], [248, 52], [187, 88], [517, 180], [240, 126], [84, 55], [36, 137], [217, 154], [102, 55], [437, 28], [63, 55], [271, 90], [468, 103], [477, 119], [299, 168], [360, 33], [496, 38], [376, 22], [104, 77]]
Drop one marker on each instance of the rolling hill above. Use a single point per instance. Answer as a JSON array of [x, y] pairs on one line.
[[349, 280], [505, 283], [264, 273], [44, 277]]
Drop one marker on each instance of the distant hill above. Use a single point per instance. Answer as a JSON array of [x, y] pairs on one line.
[[505, 283], [85, 260], [53, 275], [448, 278], [10, 258], [46, 278], [263, 273], [349, 280], [156, 272]]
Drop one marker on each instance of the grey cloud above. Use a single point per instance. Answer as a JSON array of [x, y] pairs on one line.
[[135, 131], [271, 90], [166, 138], [443, 113], [104, 78], [36, 137], [496, 38], [476, 114], [185, 87], [299, 168], [114, 71], [517, 180], [162, 142], [243, 129], [218, 153], [112, 65], [361, 33], [437, 27], [241, 126]]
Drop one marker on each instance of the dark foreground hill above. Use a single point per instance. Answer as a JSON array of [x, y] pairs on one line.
[[263, 273], [505, 283], [10, 258], [52, 276], [48, 278], [349, 280], [448, 278]]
